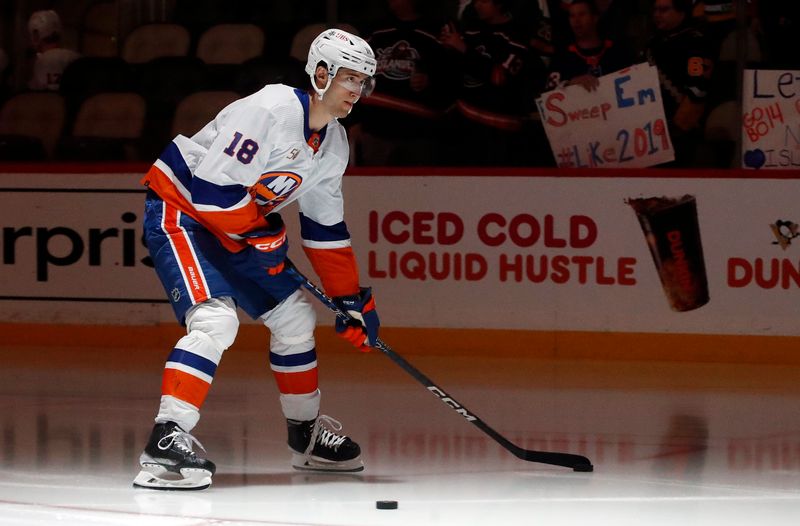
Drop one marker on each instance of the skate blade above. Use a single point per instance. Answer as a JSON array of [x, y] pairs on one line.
[[157, 477], [301, 463]]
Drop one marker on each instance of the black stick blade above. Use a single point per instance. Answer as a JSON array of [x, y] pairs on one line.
[[567, 460]]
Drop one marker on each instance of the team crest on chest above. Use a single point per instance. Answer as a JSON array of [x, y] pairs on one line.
[[272, 188]]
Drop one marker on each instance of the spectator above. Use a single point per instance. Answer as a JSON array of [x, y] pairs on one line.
[[542, 38], [684, 59], [500, 80], [400, 121], [614, 18], [44, 29], [590, 55]]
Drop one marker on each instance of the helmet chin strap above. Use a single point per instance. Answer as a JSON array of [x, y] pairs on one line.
[[321, 92]]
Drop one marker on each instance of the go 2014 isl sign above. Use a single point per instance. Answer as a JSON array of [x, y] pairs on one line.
[[621, 123], [771, 119]]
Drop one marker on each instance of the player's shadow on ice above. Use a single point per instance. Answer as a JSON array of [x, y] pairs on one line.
[[235, 480]]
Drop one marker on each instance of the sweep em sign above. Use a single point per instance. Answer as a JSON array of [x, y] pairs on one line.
[[621, 124]]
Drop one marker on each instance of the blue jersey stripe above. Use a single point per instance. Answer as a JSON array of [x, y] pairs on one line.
[[313, 231], [293, 360], [171, 156], [223, 196], [307, 131], [193, 360]]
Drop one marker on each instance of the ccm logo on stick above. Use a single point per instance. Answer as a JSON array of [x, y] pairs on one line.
[[452, 403]]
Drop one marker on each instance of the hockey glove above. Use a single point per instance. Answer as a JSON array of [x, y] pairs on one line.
[[362, 329], [270, 244]]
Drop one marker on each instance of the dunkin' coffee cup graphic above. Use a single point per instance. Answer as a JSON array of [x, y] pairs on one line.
[[671, 229]]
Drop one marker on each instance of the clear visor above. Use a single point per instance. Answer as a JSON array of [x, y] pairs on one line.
[[361, 86]]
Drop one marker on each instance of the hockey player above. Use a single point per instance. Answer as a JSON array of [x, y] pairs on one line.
[[216, 238]]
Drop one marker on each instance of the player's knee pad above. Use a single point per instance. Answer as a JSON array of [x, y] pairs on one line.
[[291, 323], [215, 318]]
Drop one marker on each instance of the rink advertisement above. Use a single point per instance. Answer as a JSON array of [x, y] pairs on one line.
[[538, 252], [771, 119], [620, 124]]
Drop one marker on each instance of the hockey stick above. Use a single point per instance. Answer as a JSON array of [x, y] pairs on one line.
[[576, 462]]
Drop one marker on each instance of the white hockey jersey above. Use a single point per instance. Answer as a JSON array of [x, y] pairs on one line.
[[257, 156], [49, 67]]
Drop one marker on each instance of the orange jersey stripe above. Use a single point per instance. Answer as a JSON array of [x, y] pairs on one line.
[[220, 223], [297, 383], [336, 268], [184, 386]]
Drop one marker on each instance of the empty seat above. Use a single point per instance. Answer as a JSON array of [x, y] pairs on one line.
[[30, 118], [198, 109], [108, 126], [115, 115], [258, 72], [87, 76], [166, 80], [230, 43], [301, 41], [100, 29], [151, 41]]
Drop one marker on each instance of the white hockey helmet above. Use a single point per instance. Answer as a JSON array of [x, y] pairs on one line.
[[43, 24], [336, 49]]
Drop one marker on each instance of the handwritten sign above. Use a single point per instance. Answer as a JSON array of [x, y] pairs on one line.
[[771, 119], [621, 124]]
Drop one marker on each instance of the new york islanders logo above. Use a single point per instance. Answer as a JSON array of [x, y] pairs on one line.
[[273, 188]]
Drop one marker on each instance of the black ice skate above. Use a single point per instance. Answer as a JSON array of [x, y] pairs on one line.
[[316, 448], [169, 463]]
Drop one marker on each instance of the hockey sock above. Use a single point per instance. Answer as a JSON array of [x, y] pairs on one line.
[[295, 373], [301, 407], [190, 368]]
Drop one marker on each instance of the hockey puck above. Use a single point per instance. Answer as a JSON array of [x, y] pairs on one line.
[[584, 468], [386, 504]]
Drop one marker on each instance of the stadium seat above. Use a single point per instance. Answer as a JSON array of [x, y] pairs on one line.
[[301, 41], [151, 41], [87, 76], [230, 43], [185, 75], [198, 109], [260, 71], [30, 126], [108, 126], [169, 79], [99, 30]]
